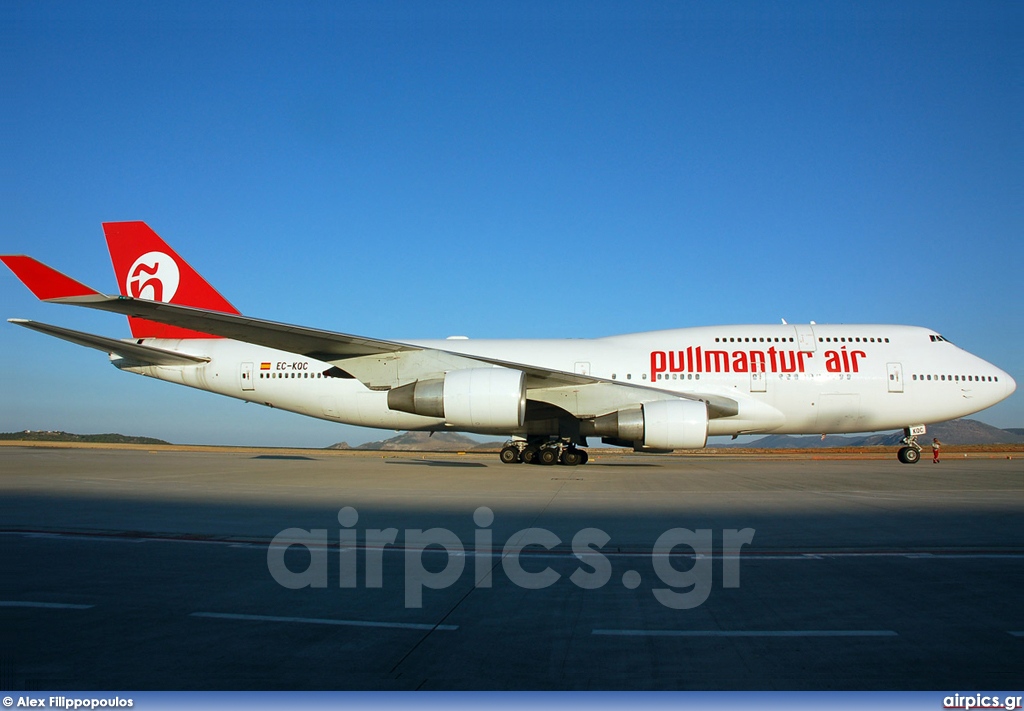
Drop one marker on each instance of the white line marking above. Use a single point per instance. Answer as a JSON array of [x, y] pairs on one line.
[[746, 633], [323, 621], [45, 605], [559, 554]]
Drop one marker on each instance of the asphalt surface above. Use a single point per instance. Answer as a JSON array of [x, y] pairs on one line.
[[155, 570]]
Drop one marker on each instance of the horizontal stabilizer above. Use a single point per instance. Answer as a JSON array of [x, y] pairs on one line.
[[143, 354]]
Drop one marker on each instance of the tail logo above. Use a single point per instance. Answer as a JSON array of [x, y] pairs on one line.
[[154, 276]]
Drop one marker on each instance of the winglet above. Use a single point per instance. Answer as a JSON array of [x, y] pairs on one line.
[[46, 283]]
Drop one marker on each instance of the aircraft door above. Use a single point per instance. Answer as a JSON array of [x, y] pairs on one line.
[[805, 337], [246, 377], [894, 373], [758, 382]]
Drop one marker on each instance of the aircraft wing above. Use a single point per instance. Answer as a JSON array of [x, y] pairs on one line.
[[328, 346], [52, 286]]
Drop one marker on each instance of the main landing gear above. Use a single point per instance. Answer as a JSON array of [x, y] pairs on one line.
[[910, 452], [547, 453]]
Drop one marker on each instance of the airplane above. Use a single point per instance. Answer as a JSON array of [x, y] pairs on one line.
[[655, 392]]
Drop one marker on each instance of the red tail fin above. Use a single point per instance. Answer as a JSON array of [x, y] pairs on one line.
[[147, 268]]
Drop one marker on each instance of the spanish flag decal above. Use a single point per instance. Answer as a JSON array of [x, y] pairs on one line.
[[264, 366]]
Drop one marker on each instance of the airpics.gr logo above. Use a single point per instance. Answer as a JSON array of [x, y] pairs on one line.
[[154, 276]]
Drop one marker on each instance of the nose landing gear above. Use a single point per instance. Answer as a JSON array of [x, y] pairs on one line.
[[910, 452]]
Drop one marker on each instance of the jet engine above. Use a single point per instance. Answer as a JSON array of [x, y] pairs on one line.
[[474, 398], [663, 424]]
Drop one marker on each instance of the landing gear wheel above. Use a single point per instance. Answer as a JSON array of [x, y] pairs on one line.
[[584, 456], [910, 452], [572, 457], [529, 455], [548, 456], [509, 455], [909, 455]]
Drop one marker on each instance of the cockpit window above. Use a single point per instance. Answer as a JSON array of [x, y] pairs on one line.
[[938, 339]]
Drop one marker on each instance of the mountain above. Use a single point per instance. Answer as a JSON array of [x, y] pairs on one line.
[[422, 442], [799, 442], [53, 436], [952, 432]]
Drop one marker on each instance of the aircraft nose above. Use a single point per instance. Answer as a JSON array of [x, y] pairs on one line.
[[1011, 384]]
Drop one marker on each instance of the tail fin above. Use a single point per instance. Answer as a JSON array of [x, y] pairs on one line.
[[147, 268]]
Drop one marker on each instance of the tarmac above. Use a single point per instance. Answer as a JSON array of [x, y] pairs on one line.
[[146, 569]]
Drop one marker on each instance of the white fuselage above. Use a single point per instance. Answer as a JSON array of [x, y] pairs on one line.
[[787, 379]]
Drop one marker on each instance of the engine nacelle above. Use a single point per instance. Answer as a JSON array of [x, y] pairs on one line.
[[474, 398], [663, 424], [675, 424]]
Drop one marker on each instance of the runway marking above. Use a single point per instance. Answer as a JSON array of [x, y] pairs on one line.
[[44, 605], [324, 621], [746, 633], [557, 553]]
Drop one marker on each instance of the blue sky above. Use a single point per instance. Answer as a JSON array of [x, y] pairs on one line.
[[528, 169]]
